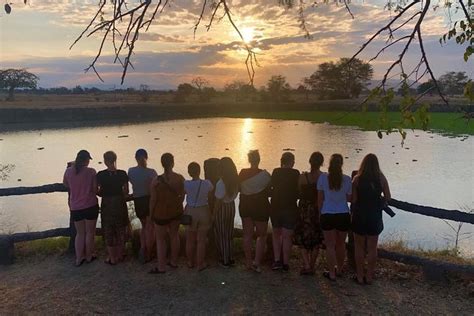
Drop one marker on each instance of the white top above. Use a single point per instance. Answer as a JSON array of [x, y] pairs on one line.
[[191, 187], [335, 202], [221, 194], [141, 179]]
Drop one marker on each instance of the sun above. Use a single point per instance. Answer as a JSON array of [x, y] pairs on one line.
[[248, 34]]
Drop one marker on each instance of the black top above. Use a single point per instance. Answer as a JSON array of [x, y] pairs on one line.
[[309, 191], [111, 183], [369, 194], [284, 189]]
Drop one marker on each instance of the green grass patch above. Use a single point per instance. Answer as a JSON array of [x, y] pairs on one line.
[[450, 123]]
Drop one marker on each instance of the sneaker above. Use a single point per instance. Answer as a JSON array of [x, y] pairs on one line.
[[277, 265], [256, 268], [286, 268]]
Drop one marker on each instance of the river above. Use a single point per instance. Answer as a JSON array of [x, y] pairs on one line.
[[429, 169]]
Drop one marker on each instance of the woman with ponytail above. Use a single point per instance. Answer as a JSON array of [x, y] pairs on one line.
[[334, 191], [82, 185]]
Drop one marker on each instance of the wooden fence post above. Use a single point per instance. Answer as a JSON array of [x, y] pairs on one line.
[[7, 250], [72, 235]]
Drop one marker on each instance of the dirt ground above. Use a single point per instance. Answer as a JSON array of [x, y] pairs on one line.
[[52, 285]]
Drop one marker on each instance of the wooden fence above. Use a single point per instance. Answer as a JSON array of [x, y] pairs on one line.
[[7, 241]]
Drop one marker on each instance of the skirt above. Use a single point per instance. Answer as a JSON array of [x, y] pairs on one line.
[[114, 218], [308, 233]]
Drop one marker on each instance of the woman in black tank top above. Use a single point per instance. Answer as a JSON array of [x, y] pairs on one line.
[[308, 234], [370, 193]]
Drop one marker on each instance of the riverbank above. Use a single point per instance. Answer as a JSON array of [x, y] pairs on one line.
[[50, 284], [70, 117]]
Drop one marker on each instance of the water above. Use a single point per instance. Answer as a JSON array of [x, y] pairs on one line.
[[442, 176]]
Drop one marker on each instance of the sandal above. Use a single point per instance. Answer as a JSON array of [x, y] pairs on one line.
[[93, 258], [356, 280], [155, 270], [174, 266], [78, 264], [328, 276], [109, 262]]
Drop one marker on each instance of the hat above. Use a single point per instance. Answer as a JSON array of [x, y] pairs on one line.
[[141, 153], [83, 154]]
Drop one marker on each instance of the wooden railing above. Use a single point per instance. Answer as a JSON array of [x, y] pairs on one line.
[[7, 241]]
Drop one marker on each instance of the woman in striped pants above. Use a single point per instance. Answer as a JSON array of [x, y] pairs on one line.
[[224, 211]]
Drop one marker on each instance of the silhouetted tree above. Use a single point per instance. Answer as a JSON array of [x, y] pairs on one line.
[[278, 88], [184, 90], [206, 94], [200, 82], [453, 83], [10, 79], [426, 87], [341, 80]]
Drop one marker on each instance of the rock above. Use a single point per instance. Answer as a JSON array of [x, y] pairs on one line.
[[250, 132], [149, 131], [122, 136], [199, 136], [19, 180], [397, 163], [414, 160], [1, 139], [100, 162], [346, 157], [40, 148], [185, 139], [156, 138], [227, 149]]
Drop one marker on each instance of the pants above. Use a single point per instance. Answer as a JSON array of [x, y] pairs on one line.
[[224, 230]]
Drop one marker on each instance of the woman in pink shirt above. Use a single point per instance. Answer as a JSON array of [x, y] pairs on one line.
[[82, 184]]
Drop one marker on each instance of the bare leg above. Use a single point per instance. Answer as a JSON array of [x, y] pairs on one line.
[[287, 244], [90, 238], [340, 249], [277, 243], [161, 232], [80, 242], [305, 254], [372, 242], [150, 238], [174, 242], [201, 248], [191, 237], [330, 240], [359, 255], [248, 229], [143, 238], [313, 257], [261, 242]]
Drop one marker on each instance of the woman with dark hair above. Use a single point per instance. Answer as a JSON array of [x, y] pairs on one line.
[[334, 191], [254, 209], [308, 233], [284, 210], [141, 177], [370, 193], [82, 185], [227, 189], [113, 188], [166, 208]]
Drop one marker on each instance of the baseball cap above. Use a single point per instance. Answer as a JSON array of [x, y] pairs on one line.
[[141, 153], [84, 154]]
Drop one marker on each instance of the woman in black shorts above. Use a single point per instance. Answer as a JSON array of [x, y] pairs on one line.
[[334, 191], [284, 211], [370, 194], [254, 209]]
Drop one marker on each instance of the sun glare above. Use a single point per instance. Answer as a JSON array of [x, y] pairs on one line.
[[248, 34]]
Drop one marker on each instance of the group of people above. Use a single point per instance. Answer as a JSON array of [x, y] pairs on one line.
[[309, 209]]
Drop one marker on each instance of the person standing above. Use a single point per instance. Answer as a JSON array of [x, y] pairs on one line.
[[166, 208], [197, 207], [83, 204], [284, 210], [334, 191], [254, 209], [308, 233], [227, 189], [141, 177], [370, 193], [113, 188]]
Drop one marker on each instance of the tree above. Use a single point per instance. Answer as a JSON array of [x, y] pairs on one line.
[[77, 90], [200, 82], [341, 80], [184, 90], [11, 79], [207, 93], [453, 83], [239, 90], [426, 87], [278, 88]]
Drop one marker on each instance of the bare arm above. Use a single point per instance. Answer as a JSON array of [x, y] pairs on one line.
[[320, 200], [354, 189], [152, 196], [386, 189]]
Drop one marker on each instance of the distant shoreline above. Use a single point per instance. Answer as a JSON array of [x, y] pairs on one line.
[[22, 119]]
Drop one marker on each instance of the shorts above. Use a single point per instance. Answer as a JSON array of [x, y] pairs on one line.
[[367, 223], [284, 219], [164, 222], [90, 214], [340, 222], [254, 206], [201, 218], [142, 206]]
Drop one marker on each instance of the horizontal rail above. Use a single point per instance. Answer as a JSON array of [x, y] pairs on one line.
[[453, 215], [57, 232]]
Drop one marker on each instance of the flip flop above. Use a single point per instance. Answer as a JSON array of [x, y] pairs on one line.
[[93, 258], [155, 270], [328, 276], [174, 266], [109, 262], [80, 263], [354, 278]]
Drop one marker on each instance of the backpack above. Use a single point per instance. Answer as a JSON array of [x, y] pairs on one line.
[[169, 203]]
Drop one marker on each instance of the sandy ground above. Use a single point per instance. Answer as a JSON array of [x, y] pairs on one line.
[[53, 285]]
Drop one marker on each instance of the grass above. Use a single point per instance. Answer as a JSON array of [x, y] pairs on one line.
[[450, 123]]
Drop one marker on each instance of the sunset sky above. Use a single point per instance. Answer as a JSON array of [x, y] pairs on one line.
[[37, 36]]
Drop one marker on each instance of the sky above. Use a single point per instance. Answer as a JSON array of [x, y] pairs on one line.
[[37, 36]]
